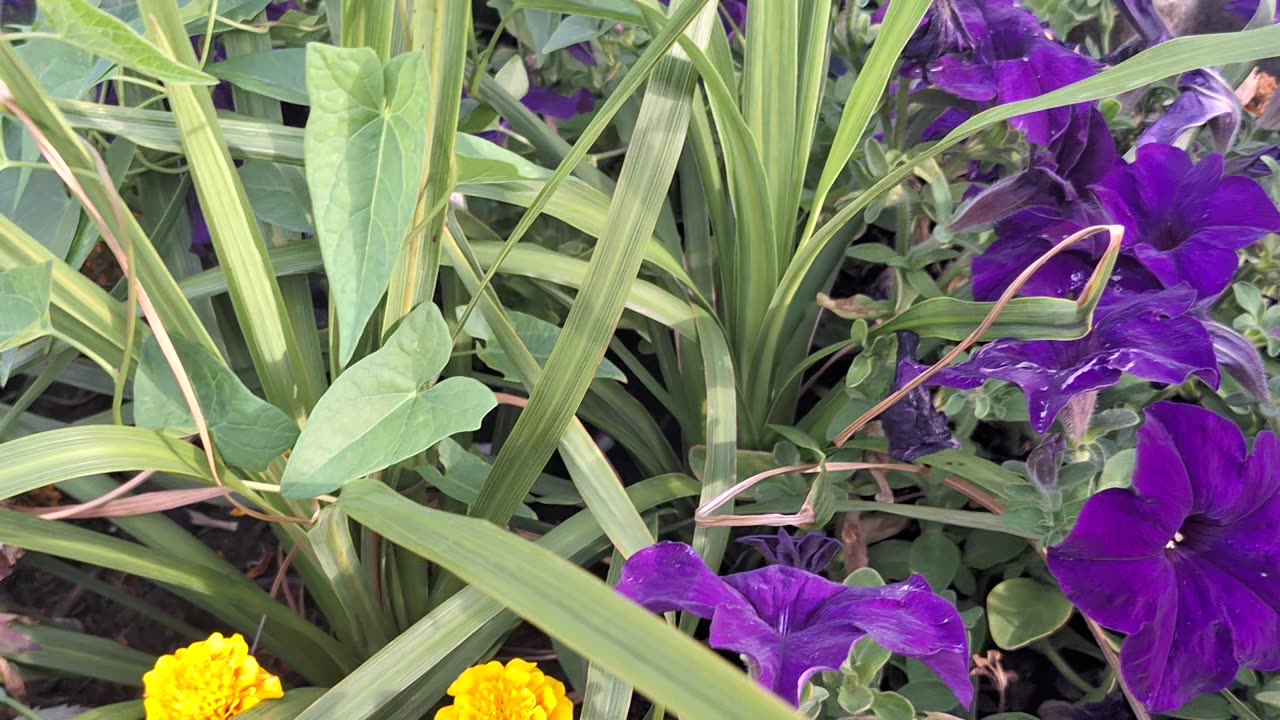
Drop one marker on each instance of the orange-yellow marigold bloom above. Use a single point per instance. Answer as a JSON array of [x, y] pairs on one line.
[[517, 691], [213, 679]]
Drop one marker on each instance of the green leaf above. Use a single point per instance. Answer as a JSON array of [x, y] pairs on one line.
[[1022, 319], [24, 295], [873, 253], [384, 409], [89, 28], [550, 592], [538, 335], [936, 557], [1021, 611], [365, 155], [892, 706], [463, 475], [279, 74], [1205, 707], [286, 708], [249, 431], [278, 194]]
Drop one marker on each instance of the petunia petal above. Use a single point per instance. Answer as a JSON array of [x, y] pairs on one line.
[[1184, 651], [1247, 599], [1211, 448], [786, 601], [909, 619], [670, 576], [1116, 577]]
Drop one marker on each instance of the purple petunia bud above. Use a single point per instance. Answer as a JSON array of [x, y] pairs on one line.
[[1241, 360], [1044, 462]]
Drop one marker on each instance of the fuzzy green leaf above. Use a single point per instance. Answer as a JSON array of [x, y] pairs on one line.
[[365, 154], [249, 431], [385, 408], [85, 26]]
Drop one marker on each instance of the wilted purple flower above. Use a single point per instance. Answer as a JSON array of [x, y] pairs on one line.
[[1183, 223], [1143, 18], [912, 426], [1206, 100], [1149, 336], [1059, 175], [792, 624], [1241, 360], [1185, 562], [812, 553]]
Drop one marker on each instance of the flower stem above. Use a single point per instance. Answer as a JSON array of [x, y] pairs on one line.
[[1060, 663], [1104, 644]]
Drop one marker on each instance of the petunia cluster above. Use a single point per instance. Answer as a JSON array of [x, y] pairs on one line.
[[1185, 562], [1184, 221], [790, 623]]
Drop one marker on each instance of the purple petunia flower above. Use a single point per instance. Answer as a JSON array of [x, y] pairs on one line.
[[1187, 221], [1012, 59], [792, 624], [812, 553], [276, 10], [583, 53], [1206, 100], [548, 103], [1183, 223], [1185, 563], [1149, 336]]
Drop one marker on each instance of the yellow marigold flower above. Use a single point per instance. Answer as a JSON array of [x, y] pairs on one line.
[[518, 691], [213, 679]]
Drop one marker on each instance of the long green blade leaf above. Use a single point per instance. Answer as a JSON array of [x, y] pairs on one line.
[[545, 589]]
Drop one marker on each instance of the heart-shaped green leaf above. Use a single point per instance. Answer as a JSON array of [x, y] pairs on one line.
[[85, 26], [365, 151], [384, 409], [24, 295], [249, 431]]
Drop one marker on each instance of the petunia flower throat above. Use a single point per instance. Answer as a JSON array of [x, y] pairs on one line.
[[1185, 562]]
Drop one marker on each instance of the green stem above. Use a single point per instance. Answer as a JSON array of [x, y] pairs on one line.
[[18, 707], [1049, 651]]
